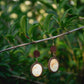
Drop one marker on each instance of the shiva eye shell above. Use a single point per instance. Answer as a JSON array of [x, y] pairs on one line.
[[53, 64], [36, 69]]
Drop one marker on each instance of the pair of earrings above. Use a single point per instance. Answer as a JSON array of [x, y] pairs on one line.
[[53, 65]]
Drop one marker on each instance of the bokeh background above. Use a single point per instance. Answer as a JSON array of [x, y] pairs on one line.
[[39, 19]]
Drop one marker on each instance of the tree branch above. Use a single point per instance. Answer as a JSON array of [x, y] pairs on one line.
[[38, 41], [23, 78]]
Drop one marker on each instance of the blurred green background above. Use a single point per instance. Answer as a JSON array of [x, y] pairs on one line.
[[39, 19]]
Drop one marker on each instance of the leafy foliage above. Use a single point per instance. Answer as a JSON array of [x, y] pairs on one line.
[[23, 21]]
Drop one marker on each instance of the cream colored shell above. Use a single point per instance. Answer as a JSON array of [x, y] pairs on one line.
[[37, 70], [54, 65]]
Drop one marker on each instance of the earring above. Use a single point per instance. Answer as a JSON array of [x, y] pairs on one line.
[[36, 68], [53, 63]]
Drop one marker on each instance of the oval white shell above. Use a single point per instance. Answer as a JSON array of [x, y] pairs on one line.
[[54, 65], [37, 70]]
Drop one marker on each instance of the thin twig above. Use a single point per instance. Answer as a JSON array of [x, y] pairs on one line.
[[81, 18], [38, 41], [23, 78]]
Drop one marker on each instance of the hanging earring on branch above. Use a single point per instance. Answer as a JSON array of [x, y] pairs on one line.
[[36, 68], [53, 63]]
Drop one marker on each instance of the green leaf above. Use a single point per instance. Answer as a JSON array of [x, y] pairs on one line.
[[56, 19], [47, 4], [2, 74], [69, 21], [4, 65], [46, 22], [62, 3], [64, 15], [23, 24], [32, 28]]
